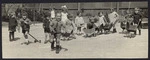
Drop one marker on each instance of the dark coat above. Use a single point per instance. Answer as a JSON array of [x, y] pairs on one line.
[[46, 23], [12, 24], [56, 26], [136, 17], [25, 24]]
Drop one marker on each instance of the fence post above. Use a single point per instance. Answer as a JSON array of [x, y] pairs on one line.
[[117, 6], [34, 14], [79, 7]]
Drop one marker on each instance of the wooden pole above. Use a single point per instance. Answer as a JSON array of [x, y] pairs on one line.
[[42, 7], [111, 5], [39, 7], [34, 14], [79, 7], [129, 5], [117, 6]]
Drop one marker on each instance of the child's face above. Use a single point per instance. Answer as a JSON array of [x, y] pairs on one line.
[[64, 10], [52, 8], [13, 15], [112, 10], [47, 17], [128, 11], [79, 14], [58, 17], [71, 18], [92, 19], [100, 14], [24, 17], [136, 11]]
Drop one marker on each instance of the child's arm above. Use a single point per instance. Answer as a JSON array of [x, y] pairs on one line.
[[141, 16], [51, 28], [131, 15], [105, 20], [76, 20], [21, 22], [16, 22], [30, 22], [73, 25], [44, 24], [117, 15], [83, 20], [63, 25]]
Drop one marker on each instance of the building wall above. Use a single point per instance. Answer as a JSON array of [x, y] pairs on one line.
[[87, 7], [95, 7]]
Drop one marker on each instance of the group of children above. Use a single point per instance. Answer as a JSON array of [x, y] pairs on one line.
[[62, 25], [101, 23], [133, 21], [59, 26]]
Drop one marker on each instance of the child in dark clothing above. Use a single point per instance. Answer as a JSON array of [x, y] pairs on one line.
[[25, 24], [12, 26], [90, 27], [46, 27], [57, 25], [137, 18]]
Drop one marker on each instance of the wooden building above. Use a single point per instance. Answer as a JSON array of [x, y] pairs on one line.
[[86, 7]]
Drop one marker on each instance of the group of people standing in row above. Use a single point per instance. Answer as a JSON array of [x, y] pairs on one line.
[[63, 25]]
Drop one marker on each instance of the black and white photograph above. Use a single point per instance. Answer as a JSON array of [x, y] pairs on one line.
[[75, 30]]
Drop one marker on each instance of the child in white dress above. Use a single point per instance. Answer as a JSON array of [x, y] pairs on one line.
[[79, 23], [64, 18]]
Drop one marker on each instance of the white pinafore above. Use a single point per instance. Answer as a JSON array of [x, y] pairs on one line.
[[64, 17]]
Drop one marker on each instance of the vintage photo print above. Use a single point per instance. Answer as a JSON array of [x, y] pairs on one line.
[[75, 30]]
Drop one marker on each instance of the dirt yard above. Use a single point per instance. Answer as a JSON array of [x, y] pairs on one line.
[[103, 46]]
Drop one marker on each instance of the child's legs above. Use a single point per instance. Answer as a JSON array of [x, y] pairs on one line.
[[82, 29], [10, 34], [46, 30], [53, 36], [139, 28], [114, 27], [18, 27], [102, 28], [46, 34], [13, 35], [58, 42], [79, 30], [65, 35], [63, 32], [73, 35], [49, 36], [58, 39], [25, 33]]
